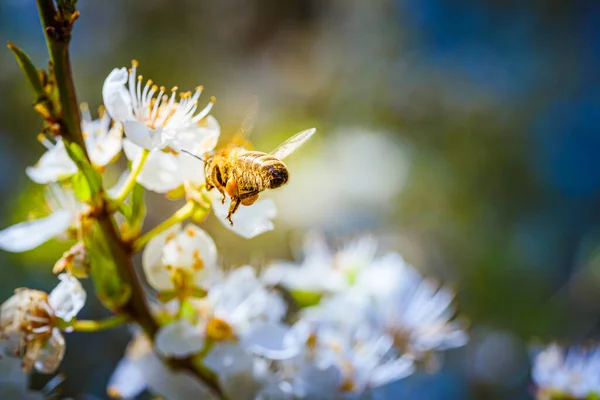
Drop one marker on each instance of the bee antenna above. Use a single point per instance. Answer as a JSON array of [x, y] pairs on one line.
[[195, 156]]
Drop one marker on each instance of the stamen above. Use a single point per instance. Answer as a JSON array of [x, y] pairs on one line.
[[205, 111]]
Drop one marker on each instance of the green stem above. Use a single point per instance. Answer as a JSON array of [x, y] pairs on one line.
[[58, 37], [183, 213], [131, 179], [99, 325]]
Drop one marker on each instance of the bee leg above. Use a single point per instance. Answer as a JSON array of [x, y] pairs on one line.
[[249, 199], [235, 203]]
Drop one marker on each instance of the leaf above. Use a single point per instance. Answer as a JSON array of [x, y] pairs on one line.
[[111, 290], [88, 173], [31, 73], [81, 187]]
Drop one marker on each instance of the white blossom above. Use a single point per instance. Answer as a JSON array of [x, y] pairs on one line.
[[65, 211], [142, 369], [102, 141], [345, 354], [152, 119], [180, 258], [416, 312], [27, 323], [179, 339], [574, 372], [324, 271], [240, 307], [248, 221]]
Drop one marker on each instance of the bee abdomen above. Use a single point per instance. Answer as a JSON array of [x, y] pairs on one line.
[[277, 172]]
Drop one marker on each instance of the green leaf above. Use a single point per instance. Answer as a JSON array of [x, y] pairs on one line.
[[138, 208], [31, 73], [305, 298], [88, 172], [81, 187], [111, 290]]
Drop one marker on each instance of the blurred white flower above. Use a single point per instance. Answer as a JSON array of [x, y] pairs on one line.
[[344, 352], [179, 339], [102, 141], [27, 323], [180, 259], [14, 382], [241, 308], [155, 122], [141, 369], [563, 373], [324, 271], [65, 212], [249, 221], [54, 165], [416, 312], [356, 174]]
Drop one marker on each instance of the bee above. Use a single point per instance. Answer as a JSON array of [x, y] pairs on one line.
[[243, 174]]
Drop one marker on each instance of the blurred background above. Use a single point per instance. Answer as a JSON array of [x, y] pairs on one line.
[[464, 133]]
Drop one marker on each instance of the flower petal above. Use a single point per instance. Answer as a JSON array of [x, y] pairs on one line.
[[162, 171], [248, 221], [116, 98], [51, 354], [67, 298], [271, 340], [201, 139], [392, 371], [128, 380], [53, 166], [179, 339], [139, 134], [30, 234], [156, 273], [106, 147]]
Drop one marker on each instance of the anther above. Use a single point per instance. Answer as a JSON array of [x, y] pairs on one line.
[[175, 88], [134, 63], [213, 99]]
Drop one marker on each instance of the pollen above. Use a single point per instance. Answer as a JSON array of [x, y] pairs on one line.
[[140, 77], [198, 264], [174, 89], [170, 237], [113, 392], [200, 88], [135, 63], [219, 330], [190, 231], [213, 99]]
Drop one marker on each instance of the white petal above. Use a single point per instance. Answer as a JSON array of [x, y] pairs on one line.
[[30, 234], [162, 171], [319, 383], [248, 221], [116, 98], [271, 340], [51, 354], [198, 140], [227, 359], [191, 245], [127, 381], [156, 273], [179, 339], [140, 134], [391, 371], [105, 149], [117, 187], [172, 384], [53, 166], [67, 298]]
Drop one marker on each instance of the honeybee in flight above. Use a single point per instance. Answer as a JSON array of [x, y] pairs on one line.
[[243, 174]]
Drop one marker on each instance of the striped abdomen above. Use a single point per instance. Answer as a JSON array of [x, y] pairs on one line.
[[257, 171]]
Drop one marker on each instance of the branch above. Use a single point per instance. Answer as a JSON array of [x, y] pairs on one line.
[[57, 25]]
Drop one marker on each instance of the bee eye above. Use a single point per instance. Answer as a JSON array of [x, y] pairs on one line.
[[219, 176]]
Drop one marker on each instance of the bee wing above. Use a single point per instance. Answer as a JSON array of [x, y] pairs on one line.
[[240, 139], [290, 145]]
